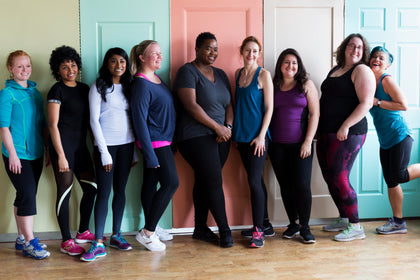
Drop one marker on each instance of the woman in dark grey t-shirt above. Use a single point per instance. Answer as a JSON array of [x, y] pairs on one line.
[[203, 134]]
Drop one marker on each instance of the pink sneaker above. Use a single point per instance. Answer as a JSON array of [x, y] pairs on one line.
[[85, 237], [71, 248]]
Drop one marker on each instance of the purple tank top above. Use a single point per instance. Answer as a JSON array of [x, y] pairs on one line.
[[290, 116]]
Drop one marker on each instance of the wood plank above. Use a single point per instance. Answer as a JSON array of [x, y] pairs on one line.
[[376, 257]]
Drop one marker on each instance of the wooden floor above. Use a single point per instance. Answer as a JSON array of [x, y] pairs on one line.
[[376, 257]]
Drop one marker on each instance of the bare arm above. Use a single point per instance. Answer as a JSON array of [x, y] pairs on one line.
[[365, 85], [312, 98], [267, 85], [14, 162], [188, 99], [399, 102], [53, 117]]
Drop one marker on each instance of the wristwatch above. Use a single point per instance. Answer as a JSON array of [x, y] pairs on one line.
[[229, 126], [379, 103]]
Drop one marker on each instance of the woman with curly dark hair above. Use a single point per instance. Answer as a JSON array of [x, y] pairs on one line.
[[347, 96], [114, 144], [293, 127], [68, 119]]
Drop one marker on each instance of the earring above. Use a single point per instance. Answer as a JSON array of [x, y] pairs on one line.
[[11, 75]]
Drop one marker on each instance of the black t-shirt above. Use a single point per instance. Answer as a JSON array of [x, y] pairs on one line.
[[74, 109]]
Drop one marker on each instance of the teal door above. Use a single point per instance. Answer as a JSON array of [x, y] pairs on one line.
[[105, 24], [396, 26]]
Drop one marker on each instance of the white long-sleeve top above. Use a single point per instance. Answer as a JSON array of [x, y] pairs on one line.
[[110, 121]]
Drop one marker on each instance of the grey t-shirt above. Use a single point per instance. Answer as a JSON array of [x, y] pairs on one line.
[[212, 97]]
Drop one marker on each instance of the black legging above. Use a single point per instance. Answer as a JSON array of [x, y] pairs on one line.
[[294, 176], [82, 167], [207, 158], [155, 201], [254, 166], [122, 158]]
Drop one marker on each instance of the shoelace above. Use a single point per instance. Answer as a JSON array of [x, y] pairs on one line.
[[257, 234]]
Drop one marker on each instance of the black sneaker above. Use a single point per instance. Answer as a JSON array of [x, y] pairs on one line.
[[205, 234], [306, 236], [226, 240], [268, 231], [291, 231], [257, 240]]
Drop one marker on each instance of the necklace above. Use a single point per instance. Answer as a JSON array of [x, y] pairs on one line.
[[247, 75]]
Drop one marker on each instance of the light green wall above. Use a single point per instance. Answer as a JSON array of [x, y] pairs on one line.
[[37, 27]]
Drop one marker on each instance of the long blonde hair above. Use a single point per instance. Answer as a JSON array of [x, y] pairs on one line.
[[136, 51]]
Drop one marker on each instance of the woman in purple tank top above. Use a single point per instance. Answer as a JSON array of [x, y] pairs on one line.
[[293, 127]]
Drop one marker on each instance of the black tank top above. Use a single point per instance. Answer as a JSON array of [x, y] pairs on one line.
[[338, 101]]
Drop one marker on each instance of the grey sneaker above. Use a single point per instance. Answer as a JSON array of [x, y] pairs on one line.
[[339, 224], [391, 227], [350, 233]]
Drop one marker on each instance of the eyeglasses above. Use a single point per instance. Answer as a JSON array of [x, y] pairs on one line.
[[353, 47]]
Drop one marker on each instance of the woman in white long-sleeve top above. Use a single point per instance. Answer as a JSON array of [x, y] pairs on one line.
[[110, 121]]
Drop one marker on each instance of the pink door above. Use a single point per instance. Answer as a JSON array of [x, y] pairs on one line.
[[231, 21]]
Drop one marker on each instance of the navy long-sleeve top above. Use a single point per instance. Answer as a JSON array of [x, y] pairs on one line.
[[154, 117]]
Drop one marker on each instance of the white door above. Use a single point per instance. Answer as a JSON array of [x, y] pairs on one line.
[[314, 29]]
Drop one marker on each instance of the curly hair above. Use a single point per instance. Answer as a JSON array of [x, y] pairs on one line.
[[60, 55], [301, 76], [105, 82], [340, 53], [202, 37]]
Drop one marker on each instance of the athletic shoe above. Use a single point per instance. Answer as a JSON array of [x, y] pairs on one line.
[[35, 251], [337, 225], [391, 227], [151, 243], [257, 240], [306, 236], [85, 237], [205, 234], [117, 241], [268, 231], [21, 242], [71, 248], [95, 251], [163, 234], [226, 239], [350, 233], [291, 231]]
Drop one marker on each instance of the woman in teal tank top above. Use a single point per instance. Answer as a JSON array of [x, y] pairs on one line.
[[394, 137], [253, 110]]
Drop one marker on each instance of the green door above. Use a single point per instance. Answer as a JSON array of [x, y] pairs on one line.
[[105, 24], [396, 26]]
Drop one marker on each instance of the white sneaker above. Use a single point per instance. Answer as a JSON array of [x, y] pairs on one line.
[[152, 243], [351, 233], [163, 234]]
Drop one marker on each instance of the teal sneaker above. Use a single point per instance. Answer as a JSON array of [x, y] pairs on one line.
[[350, 233], [391, 227]]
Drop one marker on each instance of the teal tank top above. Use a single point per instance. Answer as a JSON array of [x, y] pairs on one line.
[[249, 110], [391, 126]]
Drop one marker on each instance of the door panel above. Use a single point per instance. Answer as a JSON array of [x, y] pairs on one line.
[[231, 21], [316, 33], [102, 27], [396, 26]]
